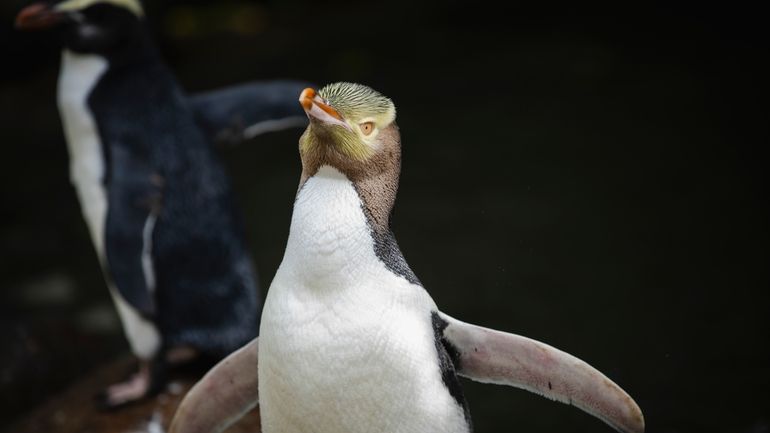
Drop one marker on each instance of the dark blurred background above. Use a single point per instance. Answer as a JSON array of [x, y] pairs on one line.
[[592, 178]]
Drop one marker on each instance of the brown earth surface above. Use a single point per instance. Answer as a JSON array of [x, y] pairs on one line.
[[73, 411]]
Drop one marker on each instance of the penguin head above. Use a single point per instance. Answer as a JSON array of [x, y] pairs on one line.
[[86, 26], [352, 128], [347, 119]]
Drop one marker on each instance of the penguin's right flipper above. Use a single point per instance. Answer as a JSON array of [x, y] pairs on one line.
[[238, 113], [223, 396], [489, 356], [135, 201]]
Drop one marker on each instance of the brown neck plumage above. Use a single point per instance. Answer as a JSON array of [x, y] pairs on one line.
[[375, 179]]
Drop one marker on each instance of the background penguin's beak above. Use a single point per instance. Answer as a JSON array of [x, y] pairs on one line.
[[38, 16], [316, 108]]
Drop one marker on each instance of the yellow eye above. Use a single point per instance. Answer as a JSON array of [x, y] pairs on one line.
[[367, 127]]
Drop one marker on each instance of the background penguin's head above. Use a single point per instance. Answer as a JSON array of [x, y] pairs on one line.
[[352, 128], [86, 26]]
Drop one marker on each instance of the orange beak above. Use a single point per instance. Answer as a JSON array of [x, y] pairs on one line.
[[316, 108], [37, 16]]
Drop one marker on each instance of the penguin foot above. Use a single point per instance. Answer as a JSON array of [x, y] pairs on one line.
[[124, 392], [140, 385], [151, 377]]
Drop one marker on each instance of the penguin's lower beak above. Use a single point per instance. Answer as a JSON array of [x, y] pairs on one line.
[[38, 16], [316, 108]]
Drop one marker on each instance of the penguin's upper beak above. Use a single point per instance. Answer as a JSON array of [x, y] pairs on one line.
[[38, 16], [316, 108]]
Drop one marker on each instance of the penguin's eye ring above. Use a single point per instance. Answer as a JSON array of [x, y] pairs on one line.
[[367, 128]]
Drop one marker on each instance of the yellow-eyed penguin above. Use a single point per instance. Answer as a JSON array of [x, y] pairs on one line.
[[350, 341], [155, 197]]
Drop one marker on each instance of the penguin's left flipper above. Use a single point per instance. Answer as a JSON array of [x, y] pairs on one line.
[[234, 114], [135, 200], [489, 356], [223, 396]]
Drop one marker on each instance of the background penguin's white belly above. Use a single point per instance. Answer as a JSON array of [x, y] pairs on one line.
[[345, 344], [79, 75]]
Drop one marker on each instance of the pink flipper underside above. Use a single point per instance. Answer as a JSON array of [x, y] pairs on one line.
[[491, 356], [230, 389], [223, 396]]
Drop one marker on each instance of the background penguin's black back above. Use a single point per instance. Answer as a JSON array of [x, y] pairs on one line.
[[206, 291]]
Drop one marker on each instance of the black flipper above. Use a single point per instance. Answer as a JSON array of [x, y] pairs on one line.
[[234, 114], [134, 201]]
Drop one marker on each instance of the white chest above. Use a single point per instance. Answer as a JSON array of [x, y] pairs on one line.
[[345, 344], [79, 74]]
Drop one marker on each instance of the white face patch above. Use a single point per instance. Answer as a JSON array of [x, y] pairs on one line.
[[77, 5]]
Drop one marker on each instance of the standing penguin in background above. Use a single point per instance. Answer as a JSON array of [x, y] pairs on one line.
[[350, 341], [157, 202]]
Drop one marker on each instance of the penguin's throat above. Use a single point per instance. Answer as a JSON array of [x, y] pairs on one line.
[[330, 240]]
